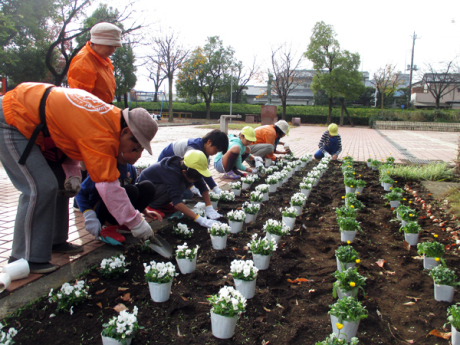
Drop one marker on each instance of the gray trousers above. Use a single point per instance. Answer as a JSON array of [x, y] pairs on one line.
[[42, 217], [261, 150]]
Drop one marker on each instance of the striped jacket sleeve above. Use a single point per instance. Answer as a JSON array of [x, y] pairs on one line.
[[339, 150], [324, 141]]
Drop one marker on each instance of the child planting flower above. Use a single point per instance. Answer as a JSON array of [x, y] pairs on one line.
[[69, 295], [182, 230], [122, 327], [113, 267]]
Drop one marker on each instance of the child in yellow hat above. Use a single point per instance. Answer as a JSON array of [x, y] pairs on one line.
[[330, 143]]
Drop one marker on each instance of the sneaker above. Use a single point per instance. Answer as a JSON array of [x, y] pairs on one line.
[[41, 267], [67, 248], [231, 175]]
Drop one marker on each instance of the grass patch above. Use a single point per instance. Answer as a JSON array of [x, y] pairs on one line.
[[426, 172], [236, 126], [453, 197]]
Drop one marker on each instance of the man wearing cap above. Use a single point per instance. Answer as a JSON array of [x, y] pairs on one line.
[[91, 69], [330, 143], [173, 175], [268, 137], [44, 132]]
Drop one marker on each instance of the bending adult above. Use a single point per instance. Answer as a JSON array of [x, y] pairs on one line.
[[44, 132], [91, 69], [268, 138]]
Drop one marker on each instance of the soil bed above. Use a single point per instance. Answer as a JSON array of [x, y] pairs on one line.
[[280, 312]]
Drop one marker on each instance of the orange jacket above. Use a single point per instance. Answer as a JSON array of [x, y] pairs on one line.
[[90, 72], [81, 125], [266, 135]]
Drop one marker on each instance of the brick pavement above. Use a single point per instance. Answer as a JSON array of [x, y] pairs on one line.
[[361, 143]]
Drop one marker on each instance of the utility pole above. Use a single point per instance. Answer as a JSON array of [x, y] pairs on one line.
[[412, 68]]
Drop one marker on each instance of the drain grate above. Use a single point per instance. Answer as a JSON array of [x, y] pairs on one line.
[[420, 161]]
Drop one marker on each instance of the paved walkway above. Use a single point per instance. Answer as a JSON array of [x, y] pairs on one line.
[[361, 143]]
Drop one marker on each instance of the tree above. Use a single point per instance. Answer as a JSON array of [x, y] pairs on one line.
[[168, 56], [124, 70], [243, 75], [440, 82], [386, 81], [206, 71], [367, 97], [284, 64]]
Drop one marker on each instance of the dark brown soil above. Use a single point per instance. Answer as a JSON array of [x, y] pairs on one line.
[[281, 312]]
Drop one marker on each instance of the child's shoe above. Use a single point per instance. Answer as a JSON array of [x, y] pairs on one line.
[[231, 175]]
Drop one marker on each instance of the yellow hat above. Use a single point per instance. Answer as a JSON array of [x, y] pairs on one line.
[[197, 160], [249, 133], [333, 129]]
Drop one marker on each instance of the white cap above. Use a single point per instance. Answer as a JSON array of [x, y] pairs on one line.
[[283, 125], [106, 34]]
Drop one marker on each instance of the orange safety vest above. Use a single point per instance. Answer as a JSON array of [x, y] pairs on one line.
[[90, 72], [80, 124], [266, 135]]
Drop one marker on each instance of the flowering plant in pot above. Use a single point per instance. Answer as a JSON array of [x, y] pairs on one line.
[[186, 258], [275, 229], [346, 257], [6, 338], [261, 249], [122, 327], [247, 181], [375, 164], [411, 231], [453, 317], [350, 182], [360, 184], [236, 219], [226, 196], [346, 314], [244, 275], [348, 174], [263, 188], [182, 230], [219, 233], [346, 211], [306, 186], [69, 295], [251, 211], [236, 188], [214, 199], [390, 160], [432, 254], [226, 306], [159, 276], [408, 214], [348, 283], [113, 267], [444, 283], [289, 216], [352, 200], [348, 228], [394, 197], [334, 340], [256, 197]]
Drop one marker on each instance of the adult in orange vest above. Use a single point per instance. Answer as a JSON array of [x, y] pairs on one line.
[[91, 69], [81, 127], [268, 138]]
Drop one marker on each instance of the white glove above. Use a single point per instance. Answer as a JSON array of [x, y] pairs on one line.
[[207, 223], [211, 213], [92, 224], [195, 190], [259, 164], [258, 159], [327, 154], [254, 170], [217, 190], [71, 187], [143, 230]]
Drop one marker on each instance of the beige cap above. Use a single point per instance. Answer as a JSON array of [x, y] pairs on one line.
[[106, 34], [283, 125], [143, 126]]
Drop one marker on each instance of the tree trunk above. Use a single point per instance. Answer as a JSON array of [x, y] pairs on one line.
[[341, 112], [170, 108], [346, 111], [125, 96], [208, 110], [283, 113], [382, 97], [437, 102], [329, 116]]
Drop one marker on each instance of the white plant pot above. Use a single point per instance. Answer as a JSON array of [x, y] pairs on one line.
[[272, 188], [349, 190], [219, 242], [348, 331], [341, 294], [368, 164], [247, 288], [261, 261], [395, 204], [412, 239], [5, 281], [237, 192], [429, 263], [398, 216], [246, 185], [298, 209], [455, 340], [160, 292], [381, 184], [303, 164], [235, 227], [346, 265], [186, 266], [268, 162], [443, 293], [111, 341], [316, 182], [18, 269], [265, 196], [374, 168], [223, 327], [288, 221], [347, 235], [387, 186], [250, 218], [214, 204], [305, 192], [270, 237], [359, 190]]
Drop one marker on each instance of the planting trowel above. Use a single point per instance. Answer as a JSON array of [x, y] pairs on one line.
[[159, 244]]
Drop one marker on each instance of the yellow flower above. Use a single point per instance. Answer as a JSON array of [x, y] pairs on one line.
[[435, 235], [410, 202], [358, 261], [339, 325], [343, 197], [391, 187], [396, 181], [351, 186], [388, 172], [436, 259], [353, 173], [410, 214], [352, 206], [357, 192], [404, 199], [352, 284], [348, 242]]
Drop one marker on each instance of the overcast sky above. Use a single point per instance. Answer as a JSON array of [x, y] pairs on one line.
[[381, 32]]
